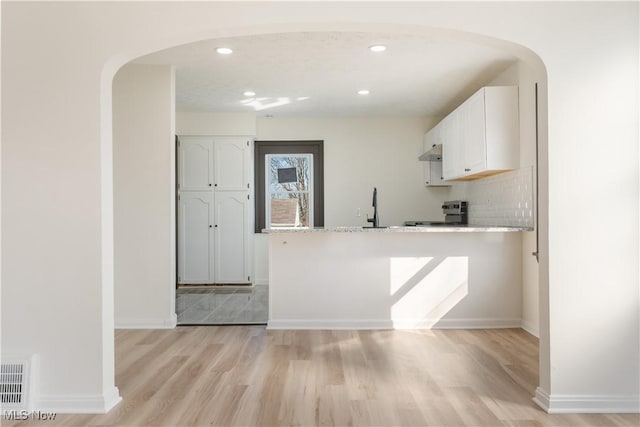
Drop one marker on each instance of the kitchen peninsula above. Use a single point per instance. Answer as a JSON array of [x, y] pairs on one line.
[[459, 276]]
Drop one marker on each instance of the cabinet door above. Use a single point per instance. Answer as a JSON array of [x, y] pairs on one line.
[[451, 149], [195, 163], [231, 163], [436, 174], [427, 173], [426, 146], [231, 236], [195, 244], [472, 124]]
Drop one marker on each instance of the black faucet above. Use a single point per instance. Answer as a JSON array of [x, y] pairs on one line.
[[374, 220]]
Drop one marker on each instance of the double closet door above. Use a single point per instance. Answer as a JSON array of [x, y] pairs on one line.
[[213, 215]]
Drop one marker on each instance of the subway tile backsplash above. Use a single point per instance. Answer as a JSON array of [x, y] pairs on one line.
[[502, 200]]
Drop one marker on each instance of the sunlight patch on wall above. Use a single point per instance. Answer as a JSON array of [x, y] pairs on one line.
[[423, 290]]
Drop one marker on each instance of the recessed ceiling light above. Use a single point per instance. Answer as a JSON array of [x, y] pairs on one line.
[[249, 93], [224, 50], [377, 48], [363, 92]]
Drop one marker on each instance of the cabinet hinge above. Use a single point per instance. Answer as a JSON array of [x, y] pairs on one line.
[[247, 143], [247, 185], [247, 197], [248, 278]]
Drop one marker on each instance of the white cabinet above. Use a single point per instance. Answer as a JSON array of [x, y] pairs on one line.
[[195, 170], [231, 236], [195, 237], [432, 159], [473, 131], [451, 149], [433, 174], [481, 137], [213, 215], [231, 163]]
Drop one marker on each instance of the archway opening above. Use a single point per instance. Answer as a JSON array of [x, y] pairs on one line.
[[527, 66]]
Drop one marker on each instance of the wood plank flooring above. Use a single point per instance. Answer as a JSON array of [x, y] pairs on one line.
[[247, 376]]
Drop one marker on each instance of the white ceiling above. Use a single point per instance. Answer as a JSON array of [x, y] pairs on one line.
[[414, 76]]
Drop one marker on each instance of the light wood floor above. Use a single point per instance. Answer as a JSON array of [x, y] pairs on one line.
[[246, 376]]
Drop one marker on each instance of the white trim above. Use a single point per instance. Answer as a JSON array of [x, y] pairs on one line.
[[587, 404], [169, 323], [482, 323], [329, 324], [394, 324], [541, 399], [79, 404], [531, 328]]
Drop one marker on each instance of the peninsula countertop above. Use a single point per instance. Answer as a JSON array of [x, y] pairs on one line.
[[469, 228]]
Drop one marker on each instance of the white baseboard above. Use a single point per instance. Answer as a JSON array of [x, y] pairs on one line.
[[486, 323], [531, 328], [81, 404], [587, 404], [395, 324], [169, 323], [329, 324]]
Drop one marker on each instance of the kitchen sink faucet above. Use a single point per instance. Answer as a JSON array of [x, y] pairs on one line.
[[374, 220]]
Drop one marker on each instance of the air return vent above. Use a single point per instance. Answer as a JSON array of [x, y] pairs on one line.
[[14, 384]]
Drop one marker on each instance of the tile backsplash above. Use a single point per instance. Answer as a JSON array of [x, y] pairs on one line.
[[502, 200]]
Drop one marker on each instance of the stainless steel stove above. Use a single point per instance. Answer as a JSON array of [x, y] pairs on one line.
[[455, 213]]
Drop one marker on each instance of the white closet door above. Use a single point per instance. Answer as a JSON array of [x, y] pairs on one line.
[[195, 231], [231, 163], [231, 236], [196, 163]]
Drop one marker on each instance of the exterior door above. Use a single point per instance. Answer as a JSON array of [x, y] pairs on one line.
[[195, 238]]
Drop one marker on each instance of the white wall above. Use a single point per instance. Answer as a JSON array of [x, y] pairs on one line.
[[144, 196], [190, 123], [394, 280], [365, 152], [525, 78], [58, 61], [361, 153]]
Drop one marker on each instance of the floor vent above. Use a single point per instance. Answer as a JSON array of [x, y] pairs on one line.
[[14, 384]]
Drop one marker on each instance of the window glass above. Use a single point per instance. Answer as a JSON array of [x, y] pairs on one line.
[[289, 190]]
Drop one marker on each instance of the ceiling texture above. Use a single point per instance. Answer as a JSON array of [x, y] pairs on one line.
[[320, 73]]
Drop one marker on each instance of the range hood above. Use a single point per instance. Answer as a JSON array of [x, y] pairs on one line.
[[435, 154]]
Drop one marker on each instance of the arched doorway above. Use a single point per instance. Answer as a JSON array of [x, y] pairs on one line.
[[531, 68]]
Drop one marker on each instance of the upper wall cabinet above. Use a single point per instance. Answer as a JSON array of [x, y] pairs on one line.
[[481, 137], [196, 163], [432, 159], [214, 162], [231, 163]]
